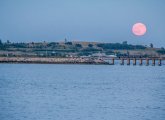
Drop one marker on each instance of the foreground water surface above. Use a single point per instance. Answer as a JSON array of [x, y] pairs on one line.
[[81, 92]]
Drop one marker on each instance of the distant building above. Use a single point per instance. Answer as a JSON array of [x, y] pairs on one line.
[[102, 55], [99, 55], [112, 56]]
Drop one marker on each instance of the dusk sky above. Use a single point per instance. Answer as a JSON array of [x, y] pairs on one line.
[[82, 20]]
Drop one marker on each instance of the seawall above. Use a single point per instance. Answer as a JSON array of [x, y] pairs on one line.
[[51, 60]]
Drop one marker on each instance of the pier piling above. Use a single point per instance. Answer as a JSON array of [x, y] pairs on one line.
[[128, 61], [122, 62], [113, 61], [134, 61], [147, 62], [141, 62], [153, 62], [160, 62]]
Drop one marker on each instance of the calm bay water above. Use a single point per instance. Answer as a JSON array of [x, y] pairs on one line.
[[81, 92]]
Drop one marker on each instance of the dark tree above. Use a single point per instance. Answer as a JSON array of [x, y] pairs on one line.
[[125, 42], [151, 45], [120, 46], [65, 40], [161, 51], [8, 42], [68, 43], [90, 45], [79, 45], [1, 42]]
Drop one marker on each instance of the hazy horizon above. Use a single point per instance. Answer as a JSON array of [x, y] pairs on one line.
[[96, 20]]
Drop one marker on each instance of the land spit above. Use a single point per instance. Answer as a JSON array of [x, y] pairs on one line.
[[39, 60]]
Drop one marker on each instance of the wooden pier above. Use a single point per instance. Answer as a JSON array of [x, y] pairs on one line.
[[134, 61]]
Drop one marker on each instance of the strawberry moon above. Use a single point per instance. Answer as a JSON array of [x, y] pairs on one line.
[[139, 29]]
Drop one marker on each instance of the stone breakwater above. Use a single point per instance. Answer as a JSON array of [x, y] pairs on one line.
[[52, 60]]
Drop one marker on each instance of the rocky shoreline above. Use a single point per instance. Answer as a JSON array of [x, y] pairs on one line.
[[38, 60]]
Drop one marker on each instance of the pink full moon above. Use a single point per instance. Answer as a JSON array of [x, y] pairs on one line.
[[139, 29]]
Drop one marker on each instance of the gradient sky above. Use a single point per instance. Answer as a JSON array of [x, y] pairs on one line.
[[83, 20]]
